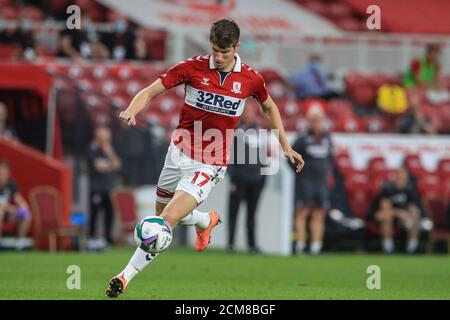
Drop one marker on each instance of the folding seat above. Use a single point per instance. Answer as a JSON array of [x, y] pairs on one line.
[[109, 87], [444, 168], [339, 108], [376, 165], [413, 164], [343, 163], [348, 124], [376, 124], [289, 108], [100, 72], [86, 84], [124, 72], [437, 208], [430, 183], [73, 71], [364, 94], [359, 201], [314, 103], [133, 87], [33, 13], [357, 180], [271, 75]]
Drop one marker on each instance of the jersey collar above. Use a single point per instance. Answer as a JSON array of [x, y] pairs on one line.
[[237, 66]]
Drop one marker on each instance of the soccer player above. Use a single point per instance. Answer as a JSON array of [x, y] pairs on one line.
[[216, 87]]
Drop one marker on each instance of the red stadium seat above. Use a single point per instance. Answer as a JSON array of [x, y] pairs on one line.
[[413, 164], [109, 87], [99, 72], [339, 108], [437, 208], [32, 13], [430, 183], [444, 168], [133, 87], [376, 165], [46, 206], [125, 208], [289, 108], [87, 84], [315, 102], [124, 72], [360, 202], [376, 124], [271, 75], [74, 71], [348, 124], [343, 163], [357, 180]]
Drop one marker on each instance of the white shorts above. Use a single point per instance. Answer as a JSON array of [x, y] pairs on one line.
[[180, 172]]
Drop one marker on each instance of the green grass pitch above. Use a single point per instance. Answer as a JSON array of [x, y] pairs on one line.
[[182, 274]]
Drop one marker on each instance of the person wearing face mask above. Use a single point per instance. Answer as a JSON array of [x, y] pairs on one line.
[[124, 43], [312, 81]]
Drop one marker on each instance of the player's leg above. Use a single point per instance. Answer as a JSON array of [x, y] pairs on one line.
[[411, 220], [385, 216], [167, 182], [198, 181], [234, 203], [24, 217], [317, 229], [252, 196], [303, 201], [318, 217], [2, 218]]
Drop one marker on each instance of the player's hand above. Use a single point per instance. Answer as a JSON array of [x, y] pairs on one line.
[[296, 159], [127, 118]]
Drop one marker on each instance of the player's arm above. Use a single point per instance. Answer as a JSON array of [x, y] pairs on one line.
[[272, 116], [140, 101]]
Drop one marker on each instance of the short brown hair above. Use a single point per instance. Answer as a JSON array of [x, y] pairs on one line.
[[224, 33]]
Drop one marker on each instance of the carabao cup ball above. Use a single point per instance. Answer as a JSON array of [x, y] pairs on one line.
[[153, 234]]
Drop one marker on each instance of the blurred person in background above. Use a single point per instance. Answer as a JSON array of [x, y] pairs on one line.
[[424, 71], [23, 38], [312, 192], [83, 43], [124, 43], [5, 37], [311, 81], [13, 206], [5, 131], [103, 165], [414, 121], [247, 182], [394, 204]]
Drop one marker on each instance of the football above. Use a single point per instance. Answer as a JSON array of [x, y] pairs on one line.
[[153, 234]]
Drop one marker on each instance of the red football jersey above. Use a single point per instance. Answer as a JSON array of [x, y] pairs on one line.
[[212, 106]]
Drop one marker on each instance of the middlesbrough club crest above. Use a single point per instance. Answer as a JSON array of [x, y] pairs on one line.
[[236, 87]]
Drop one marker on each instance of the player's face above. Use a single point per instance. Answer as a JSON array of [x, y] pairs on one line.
[[223, 58]]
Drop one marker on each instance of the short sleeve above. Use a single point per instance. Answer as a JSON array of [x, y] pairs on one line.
[[176, 75], [260, 91]]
